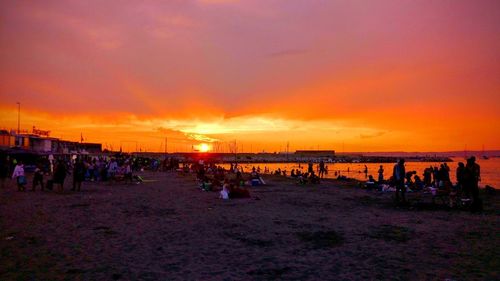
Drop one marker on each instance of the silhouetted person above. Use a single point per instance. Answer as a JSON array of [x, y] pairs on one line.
[[419, 184], [444, 174], [428, 176], [460, 179], [472, 176], [321, 168], [4, 170], [408, 177], [38, 178], [399, 179], [435, 177], [60, 174], [78, 174], [381, 174]]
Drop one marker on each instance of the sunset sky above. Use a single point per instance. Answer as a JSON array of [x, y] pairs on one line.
[[345, 75]]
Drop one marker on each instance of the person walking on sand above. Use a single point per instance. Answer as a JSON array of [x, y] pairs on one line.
[[18, 174], [399, 178]]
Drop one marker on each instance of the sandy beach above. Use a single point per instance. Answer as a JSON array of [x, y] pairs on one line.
[[168, 229]]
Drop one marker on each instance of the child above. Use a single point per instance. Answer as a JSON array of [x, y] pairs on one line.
[[224, 193]]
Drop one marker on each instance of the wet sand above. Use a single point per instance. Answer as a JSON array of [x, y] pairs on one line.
[[168, 229]]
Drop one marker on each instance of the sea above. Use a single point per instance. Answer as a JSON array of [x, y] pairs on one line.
[[490, 169]]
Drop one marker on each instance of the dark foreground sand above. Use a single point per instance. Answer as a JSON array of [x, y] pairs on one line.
[[168, 229]]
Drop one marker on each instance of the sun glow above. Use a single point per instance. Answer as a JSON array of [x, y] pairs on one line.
[[204, 147]]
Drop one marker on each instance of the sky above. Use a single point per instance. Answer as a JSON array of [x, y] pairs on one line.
[[347, 75]]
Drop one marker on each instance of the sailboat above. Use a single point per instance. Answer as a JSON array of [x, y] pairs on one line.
[[484, 155]]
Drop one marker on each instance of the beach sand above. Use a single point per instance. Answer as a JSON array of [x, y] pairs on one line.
[[168, 229]]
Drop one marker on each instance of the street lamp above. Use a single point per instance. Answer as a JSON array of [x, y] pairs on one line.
[[18, 117]]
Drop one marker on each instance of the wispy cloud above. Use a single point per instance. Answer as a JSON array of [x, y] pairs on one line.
[[372, 135]]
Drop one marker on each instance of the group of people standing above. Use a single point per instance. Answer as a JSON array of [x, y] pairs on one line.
[[56, 174], [53, 173], [467, 176]]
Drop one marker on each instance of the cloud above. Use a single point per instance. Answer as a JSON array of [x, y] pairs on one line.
[[200, 137], [373, 135], [179, 136]]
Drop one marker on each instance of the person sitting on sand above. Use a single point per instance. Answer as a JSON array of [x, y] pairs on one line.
[[419, 184], [408, 177], [313, 178], [206, 184], [256, 179], [370, 183], [303, 178]]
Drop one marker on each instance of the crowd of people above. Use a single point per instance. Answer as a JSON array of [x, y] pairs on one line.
[[435, 179], [51, 173], [231, 183]]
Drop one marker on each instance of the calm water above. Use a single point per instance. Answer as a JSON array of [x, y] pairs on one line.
[[490, 169]]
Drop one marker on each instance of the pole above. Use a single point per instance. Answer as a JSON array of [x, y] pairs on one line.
[[18, 117], [287, 150]]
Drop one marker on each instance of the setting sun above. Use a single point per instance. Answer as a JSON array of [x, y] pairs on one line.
[[204, 147]]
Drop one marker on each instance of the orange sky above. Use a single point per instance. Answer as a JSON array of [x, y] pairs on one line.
[[346, 75]]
